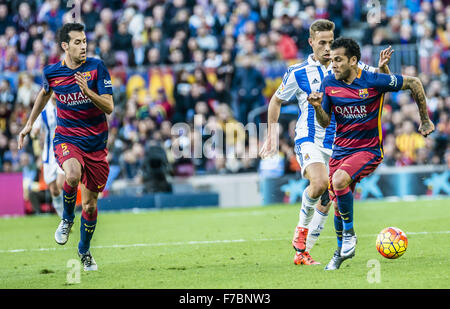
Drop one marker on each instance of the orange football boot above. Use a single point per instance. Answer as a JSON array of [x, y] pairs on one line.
[[304, 258], [299, 241]]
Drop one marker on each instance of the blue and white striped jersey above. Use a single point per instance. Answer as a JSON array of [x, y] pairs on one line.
[[46, 122], [300, 80]]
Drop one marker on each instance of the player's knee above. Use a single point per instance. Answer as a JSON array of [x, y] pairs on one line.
[[340, 180], [318, 186], [73, 179], [73, 176], [72, 171]]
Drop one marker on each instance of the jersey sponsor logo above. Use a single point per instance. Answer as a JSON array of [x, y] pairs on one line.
[[335, 91], [315, 81], [351, 112], [363, 93], [393, 82], [72, 99], [58, 81], [107, 83], [99, 187]]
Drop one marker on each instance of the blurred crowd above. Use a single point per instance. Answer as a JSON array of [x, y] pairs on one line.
[[208, 64]]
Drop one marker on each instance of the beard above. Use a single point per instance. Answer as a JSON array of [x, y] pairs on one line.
[[344, 75]]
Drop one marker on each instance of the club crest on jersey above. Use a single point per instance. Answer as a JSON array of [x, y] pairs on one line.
[[87, 75], [363, 93]]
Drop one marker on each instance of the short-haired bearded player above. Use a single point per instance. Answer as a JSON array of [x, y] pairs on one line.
[[83, 92], [355, 98], [312, 142]]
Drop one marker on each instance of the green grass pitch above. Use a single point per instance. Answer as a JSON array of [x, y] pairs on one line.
[[211, 248]]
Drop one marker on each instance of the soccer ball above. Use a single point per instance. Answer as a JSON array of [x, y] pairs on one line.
[[392, 242]]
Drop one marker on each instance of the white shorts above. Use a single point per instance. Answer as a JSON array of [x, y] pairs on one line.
[[51, 170], [308, 153]]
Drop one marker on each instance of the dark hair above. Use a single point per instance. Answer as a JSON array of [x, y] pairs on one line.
[[350, 45], [63, 32]]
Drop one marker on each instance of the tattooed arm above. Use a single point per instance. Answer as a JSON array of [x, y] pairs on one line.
[[418, 93]]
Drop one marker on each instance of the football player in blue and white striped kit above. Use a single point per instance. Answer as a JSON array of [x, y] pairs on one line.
[[53, 175], [313, 144]]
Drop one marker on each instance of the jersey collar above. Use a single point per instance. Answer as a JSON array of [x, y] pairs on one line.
[[311, 61], [63, 63]]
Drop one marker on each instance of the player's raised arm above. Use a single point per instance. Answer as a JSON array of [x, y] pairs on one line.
[[383, 62], [41, 100], [415, 85], [323, 118]]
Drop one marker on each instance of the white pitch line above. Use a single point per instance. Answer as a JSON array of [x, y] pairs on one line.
[[195, 242]]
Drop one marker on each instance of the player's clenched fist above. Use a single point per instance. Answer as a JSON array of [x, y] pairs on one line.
[[426, 127], [315, 98]]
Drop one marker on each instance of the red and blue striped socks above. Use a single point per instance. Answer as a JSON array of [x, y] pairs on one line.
[[87, 228], [345, 204], [69, 201]]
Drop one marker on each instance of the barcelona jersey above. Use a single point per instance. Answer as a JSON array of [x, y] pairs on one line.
[[79, 121], [299, 81], [357, 110]]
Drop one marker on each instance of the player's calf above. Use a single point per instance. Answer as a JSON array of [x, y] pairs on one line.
[[69, 201], [345, 205], [317, 186], [87, 227], [318, 221]]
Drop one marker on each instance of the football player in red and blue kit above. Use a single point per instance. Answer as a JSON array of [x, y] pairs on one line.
[[83, 91], [355, 97]]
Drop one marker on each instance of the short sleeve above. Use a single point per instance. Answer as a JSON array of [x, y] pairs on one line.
[[366, 67], [387, 82], [288, 87], [104, 84], [326, 102]]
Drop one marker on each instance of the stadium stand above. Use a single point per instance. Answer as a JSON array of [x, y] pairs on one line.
[[172, 60]]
